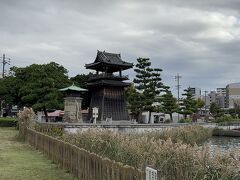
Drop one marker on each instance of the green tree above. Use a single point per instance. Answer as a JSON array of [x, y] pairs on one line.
[[9, 95], [148, 81], [134, 99], [40, 85], [189, 105], [235, 112], [82, 80], [169, 103], [216, 110], [200, 103]]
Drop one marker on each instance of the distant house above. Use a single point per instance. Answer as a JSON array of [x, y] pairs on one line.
[[55, 116]]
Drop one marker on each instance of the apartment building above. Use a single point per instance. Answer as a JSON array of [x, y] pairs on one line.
[[221, 91], [196, 92], [232, 95]]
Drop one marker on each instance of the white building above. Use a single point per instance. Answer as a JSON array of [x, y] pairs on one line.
[[206, 100], [196, 92], [232, 95], [221, 101], [221, 91], [212, 97]]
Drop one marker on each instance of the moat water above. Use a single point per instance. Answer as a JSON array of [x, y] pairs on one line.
[[224, 143]]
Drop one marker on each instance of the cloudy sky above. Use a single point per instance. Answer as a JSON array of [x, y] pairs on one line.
[[200, 40]]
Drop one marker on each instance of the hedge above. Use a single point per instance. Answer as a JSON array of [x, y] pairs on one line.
[[8, 122]]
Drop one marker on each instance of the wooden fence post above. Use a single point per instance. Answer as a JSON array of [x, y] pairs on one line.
[[81, 163]]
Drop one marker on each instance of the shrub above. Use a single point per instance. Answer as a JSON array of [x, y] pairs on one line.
[[185, 120], [8, 122], [225, 118], [26, 117]]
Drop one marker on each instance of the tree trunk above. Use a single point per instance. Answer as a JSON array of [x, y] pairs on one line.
[[171, 118], [139, 118], [149, 118], [136, 116], [45, 113], [185, 116]]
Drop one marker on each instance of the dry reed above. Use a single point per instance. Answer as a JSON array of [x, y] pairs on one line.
[[166, 152]]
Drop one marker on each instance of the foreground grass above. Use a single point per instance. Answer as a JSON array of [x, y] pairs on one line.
[[18, 161]]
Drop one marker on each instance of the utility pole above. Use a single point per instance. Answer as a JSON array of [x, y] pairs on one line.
[[177, 78], [4, 62], [205, 97]]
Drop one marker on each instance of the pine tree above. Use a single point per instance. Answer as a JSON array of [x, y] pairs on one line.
[[189, 105], [134, 99], [216, 110], [169, 103], [82, 80], [148, 81]]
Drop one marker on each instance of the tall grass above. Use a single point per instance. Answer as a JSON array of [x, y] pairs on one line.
[[166, 152], [186, 134]]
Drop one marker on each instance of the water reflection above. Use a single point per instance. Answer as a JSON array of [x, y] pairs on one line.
[[224, 143]]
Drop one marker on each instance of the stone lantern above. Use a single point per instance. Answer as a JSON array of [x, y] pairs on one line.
[[72, 104]]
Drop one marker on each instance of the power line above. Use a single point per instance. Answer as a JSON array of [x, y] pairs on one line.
[[177, 78], [178, 86]]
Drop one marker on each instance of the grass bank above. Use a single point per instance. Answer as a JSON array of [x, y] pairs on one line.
[[166, 152], [19, 161]]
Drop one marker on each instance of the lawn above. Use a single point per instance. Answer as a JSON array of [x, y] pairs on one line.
[[19, 161]]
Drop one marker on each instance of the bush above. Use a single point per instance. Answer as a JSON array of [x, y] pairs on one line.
[[8, 122], [26, 119], [225, 118], [185, 120]]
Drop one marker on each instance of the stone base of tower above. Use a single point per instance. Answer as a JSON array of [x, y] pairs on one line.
[[72, 110]]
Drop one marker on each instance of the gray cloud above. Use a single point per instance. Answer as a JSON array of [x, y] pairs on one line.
[[198, 39]]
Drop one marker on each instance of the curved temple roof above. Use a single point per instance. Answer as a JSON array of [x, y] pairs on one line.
[[73, 88], [109, 59]]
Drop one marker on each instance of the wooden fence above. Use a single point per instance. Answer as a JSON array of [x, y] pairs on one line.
[[81, 163]]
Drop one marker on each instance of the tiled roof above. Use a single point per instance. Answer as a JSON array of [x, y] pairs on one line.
[[73, 88], [110, 59], [56, 113]]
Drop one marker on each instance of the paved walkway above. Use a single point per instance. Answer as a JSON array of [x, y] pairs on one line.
[[19, 161]]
